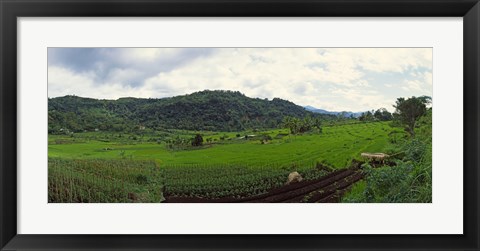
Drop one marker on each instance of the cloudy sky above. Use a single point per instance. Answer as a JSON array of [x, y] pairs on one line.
[[336, 79]]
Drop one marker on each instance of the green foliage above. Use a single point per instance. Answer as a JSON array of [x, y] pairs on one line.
[[197, 140], [387, 184], [379, 115], [366, 116], [424, 127], [356, 193], [406, 182], [415, 150], [409, 181], [200, 111], [408, 111], [382, 115], [296, 125], [231, 180]]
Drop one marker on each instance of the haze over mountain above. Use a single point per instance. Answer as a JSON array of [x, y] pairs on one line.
[[343, 113], [205, 110]]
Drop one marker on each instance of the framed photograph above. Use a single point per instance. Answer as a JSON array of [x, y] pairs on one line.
[[239, 125]]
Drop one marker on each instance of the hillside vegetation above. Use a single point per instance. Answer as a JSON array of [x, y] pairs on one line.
[[205, 110]]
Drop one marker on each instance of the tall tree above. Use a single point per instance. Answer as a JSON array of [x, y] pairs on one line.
[[408, 111], [318, 124], [366, 116], [382, 114]]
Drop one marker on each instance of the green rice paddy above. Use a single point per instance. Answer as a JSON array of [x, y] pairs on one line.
[[336, 146], [112, 167]]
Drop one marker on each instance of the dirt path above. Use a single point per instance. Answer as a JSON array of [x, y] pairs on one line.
[[327, 189]]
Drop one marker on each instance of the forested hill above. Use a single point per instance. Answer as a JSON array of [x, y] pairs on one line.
[[205, 110]]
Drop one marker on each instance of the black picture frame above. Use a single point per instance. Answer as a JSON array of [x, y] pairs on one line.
[[10, 10]]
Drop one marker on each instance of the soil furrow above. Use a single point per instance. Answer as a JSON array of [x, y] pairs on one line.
[[334, 192], [327, 190], [295, 192]]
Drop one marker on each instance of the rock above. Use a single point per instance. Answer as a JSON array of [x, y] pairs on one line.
[[294, 177]]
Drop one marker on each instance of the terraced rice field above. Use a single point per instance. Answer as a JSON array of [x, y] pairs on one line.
[[229, 170]]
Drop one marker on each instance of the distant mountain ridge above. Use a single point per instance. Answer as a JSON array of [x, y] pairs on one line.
[[322, 111], [205, 110]]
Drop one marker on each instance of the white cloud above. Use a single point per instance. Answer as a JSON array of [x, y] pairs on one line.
[[412, 85], [365, 100], [332, 78], [65, 82], [427, 76]]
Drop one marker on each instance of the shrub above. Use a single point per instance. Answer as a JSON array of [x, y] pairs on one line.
[[414, 150], [197, 140]]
